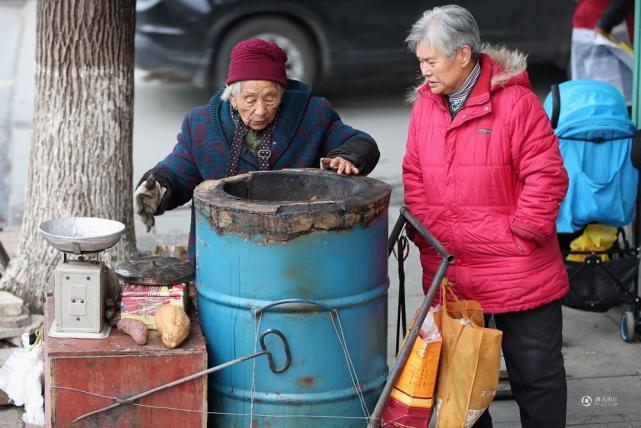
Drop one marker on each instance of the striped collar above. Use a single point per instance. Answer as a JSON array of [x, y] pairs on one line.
[[457, 98]]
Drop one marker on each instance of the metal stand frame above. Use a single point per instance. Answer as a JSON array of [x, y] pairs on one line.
[[401, 358]]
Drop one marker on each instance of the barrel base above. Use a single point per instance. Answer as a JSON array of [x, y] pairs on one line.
[[337, 414]]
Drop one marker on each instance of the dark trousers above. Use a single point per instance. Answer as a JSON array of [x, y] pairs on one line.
[[532, 343]]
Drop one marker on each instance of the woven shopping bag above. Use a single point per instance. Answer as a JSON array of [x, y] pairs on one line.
[[470, 362]]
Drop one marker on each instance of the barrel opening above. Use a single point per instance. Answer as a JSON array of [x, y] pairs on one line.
[[290, 186]]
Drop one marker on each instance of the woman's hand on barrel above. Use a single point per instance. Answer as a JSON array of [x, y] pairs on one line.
[[340, 165]]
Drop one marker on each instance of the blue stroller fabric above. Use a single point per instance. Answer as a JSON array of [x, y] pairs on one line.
[[595, 135]]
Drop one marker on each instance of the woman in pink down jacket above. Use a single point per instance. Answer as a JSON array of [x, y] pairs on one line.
[[483, 172]]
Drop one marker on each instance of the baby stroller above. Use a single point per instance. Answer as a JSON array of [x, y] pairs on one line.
[[595, 133]]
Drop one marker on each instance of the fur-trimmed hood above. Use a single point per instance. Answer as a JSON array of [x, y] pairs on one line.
[[508, 64], [508, 68]]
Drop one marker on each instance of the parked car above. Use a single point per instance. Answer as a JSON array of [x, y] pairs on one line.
[[328, 39]]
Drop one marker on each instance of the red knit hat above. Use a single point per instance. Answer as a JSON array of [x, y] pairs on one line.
[[257, 59]]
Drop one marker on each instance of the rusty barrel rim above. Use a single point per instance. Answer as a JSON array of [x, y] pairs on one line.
[[253, 204]]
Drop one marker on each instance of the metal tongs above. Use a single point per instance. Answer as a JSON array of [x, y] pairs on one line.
[[264, 351]]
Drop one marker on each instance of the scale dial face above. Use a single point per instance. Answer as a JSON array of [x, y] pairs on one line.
[[155, 270]]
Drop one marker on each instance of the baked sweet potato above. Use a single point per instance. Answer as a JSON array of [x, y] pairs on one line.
[[134, 328], [173, 325]]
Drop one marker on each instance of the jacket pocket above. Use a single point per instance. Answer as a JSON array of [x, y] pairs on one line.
[[488, 234], [524, 246]]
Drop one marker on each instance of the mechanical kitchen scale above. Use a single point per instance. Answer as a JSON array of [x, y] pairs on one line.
[[80, 279]]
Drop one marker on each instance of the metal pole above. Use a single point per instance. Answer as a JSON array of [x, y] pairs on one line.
[[395, 233], [172, 384], [636, 118], [636, 71], [440, 249], [403, 355], [265, 351], [399, 363]]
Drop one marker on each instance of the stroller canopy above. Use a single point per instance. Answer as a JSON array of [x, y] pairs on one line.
[[595, 136], [591, 110]]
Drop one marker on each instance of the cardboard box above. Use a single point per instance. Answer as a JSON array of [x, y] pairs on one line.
[[140, 302]]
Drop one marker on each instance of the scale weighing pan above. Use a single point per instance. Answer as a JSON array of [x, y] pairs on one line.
[[82, 235]]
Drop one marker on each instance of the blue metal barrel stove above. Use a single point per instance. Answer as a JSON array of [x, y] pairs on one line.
[[304, 252]]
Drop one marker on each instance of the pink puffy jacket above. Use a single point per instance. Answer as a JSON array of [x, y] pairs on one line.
[[488, 185]]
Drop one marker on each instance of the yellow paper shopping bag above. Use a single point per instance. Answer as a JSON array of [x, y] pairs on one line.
[[470, 362]]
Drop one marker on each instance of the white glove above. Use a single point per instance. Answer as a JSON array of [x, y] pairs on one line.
[[147, 198]]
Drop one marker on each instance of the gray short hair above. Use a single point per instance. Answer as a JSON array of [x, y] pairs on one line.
[[234, 89], [446, 29]]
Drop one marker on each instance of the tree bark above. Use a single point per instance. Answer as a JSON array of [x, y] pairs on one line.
[[81, 151]]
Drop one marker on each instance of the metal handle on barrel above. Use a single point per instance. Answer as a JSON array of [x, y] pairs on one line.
[[293, 305], [270, 357]]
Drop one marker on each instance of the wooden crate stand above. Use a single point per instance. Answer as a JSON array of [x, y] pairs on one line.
[[117, 367]]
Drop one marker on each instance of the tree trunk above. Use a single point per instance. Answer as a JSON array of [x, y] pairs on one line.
[[81, 152]]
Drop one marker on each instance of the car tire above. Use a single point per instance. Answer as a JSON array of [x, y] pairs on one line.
[[302, 63]]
